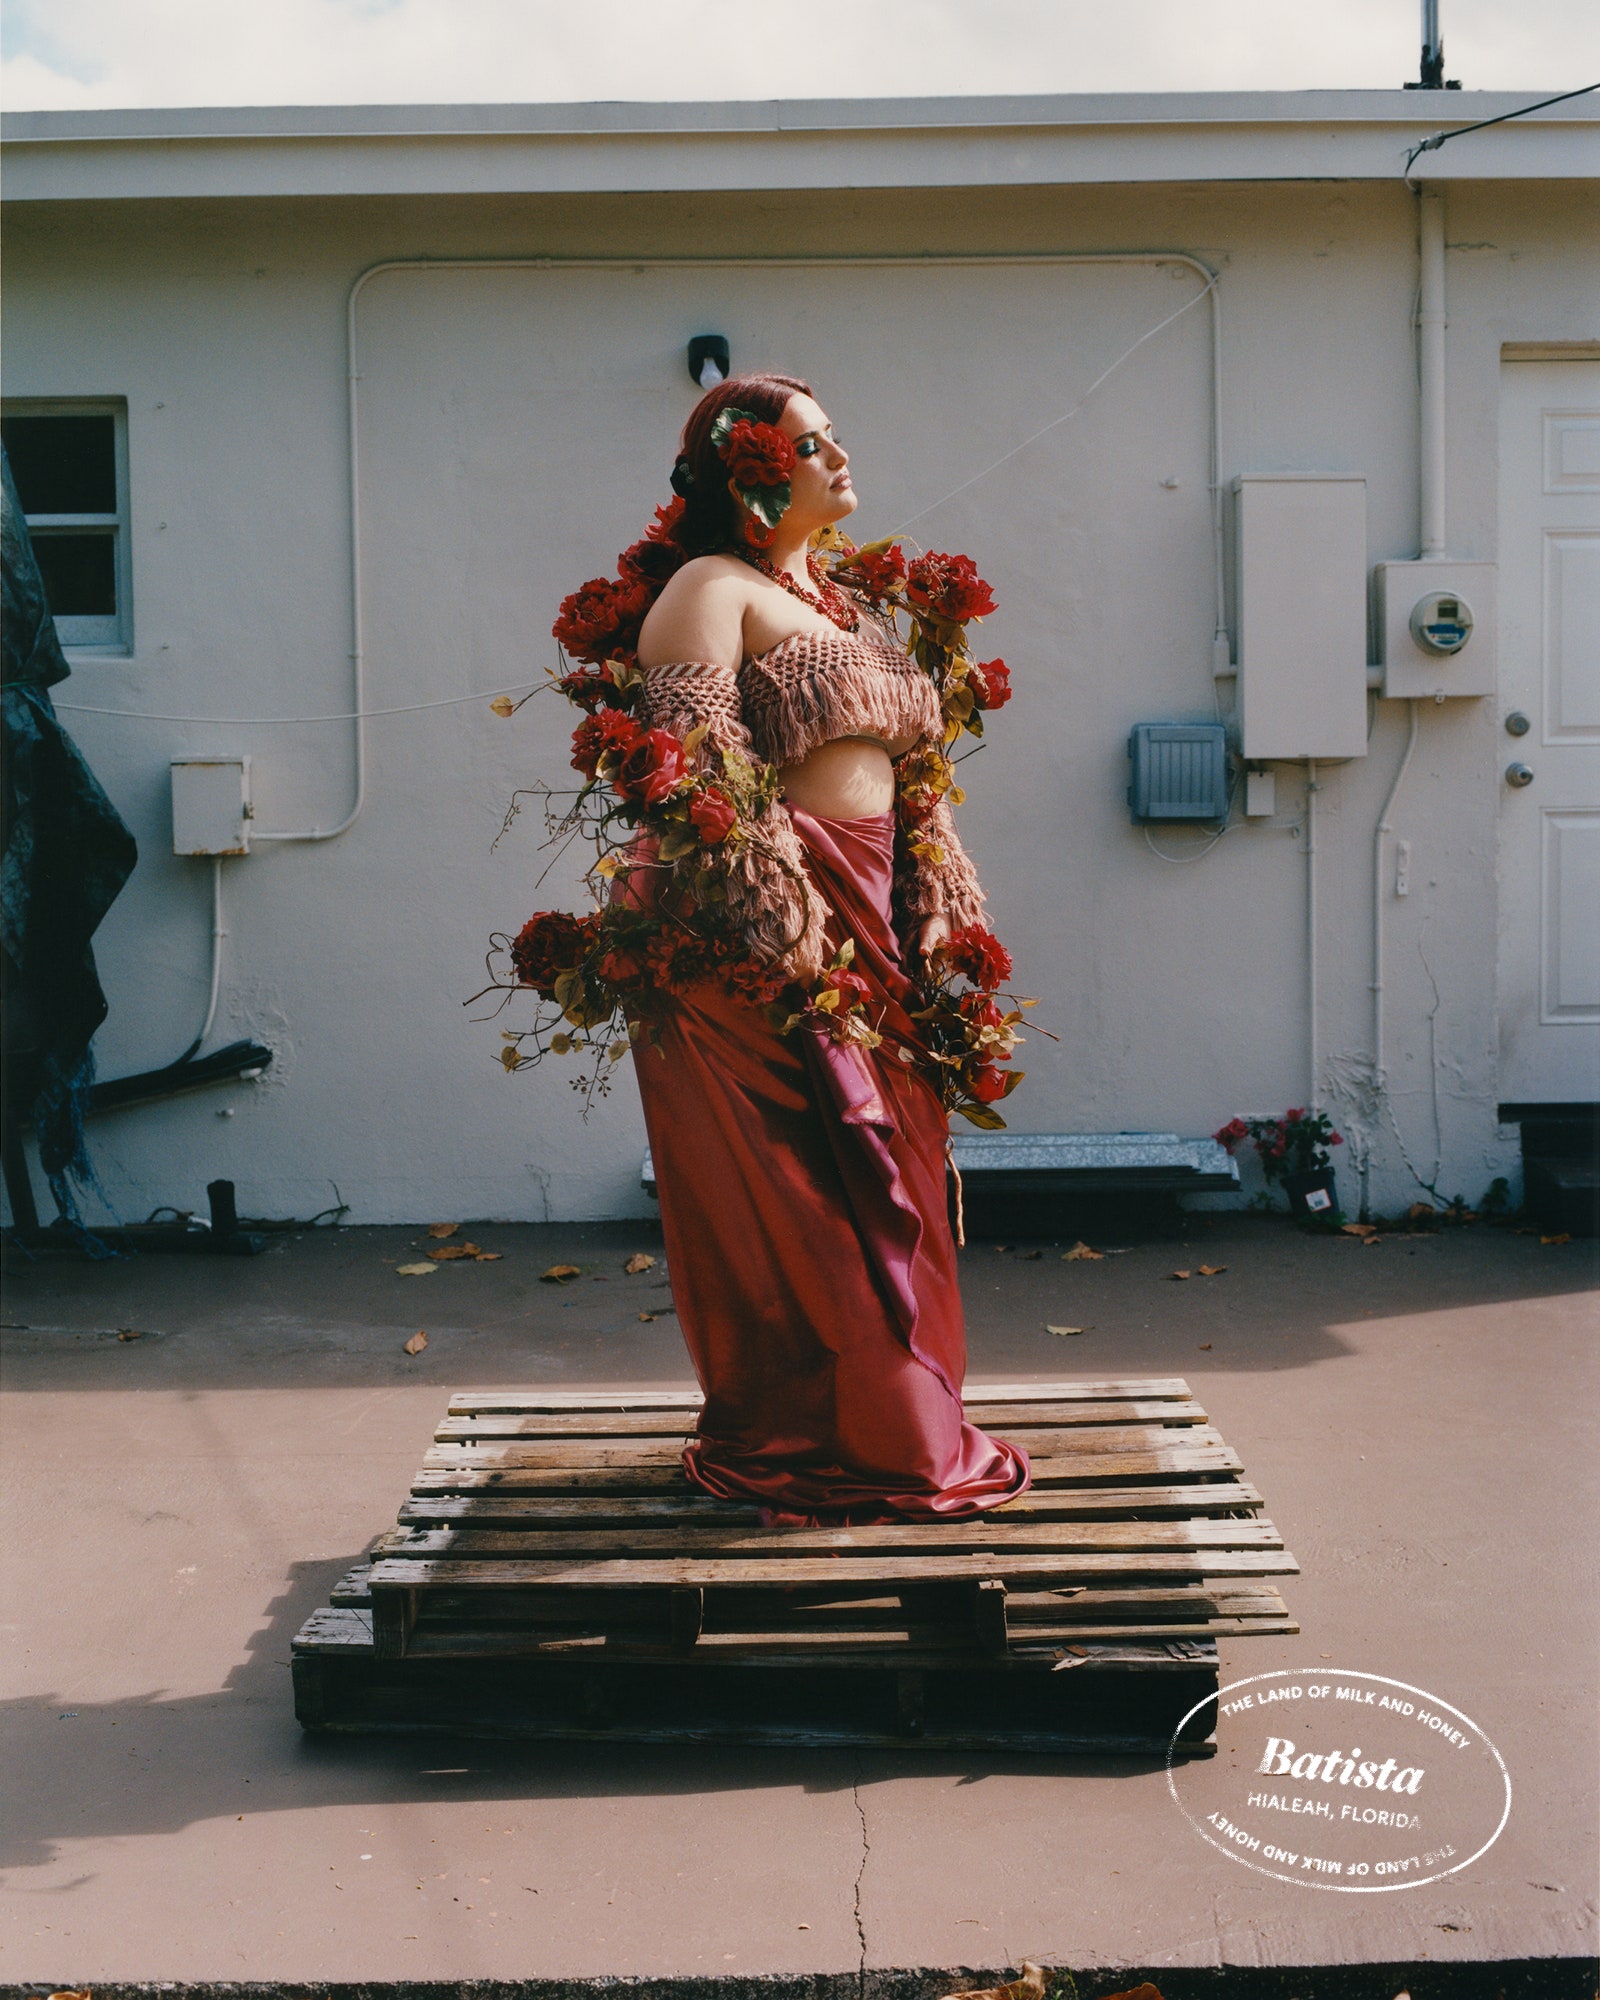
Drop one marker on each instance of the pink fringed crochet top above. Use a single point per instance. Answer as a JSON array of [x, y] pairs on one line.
[[809, 689]]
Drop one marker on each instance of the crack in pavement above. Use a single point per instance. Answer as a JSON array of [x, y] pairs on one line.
[[866, 1849]]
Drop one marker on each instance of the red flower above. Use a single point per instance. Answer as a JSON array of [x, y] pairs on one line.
[[948, 588], [879, 573], [988, 1084], [1229, 1135], [607, 734], [714, 814], [656, 555], [601, 620], [620, 968], [990, 681], [980, 1010], [757, 455], [652, 768], [850, 986], [978, 955], [592, 691], [551, 942]]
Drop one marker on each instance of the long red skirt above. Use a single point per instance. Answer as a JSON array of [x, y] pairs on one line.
[[802, 1189]]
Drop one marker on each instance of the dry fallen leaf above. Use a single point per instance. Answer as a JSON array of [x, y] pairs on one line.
[[73, 1993], [1212, 1270], [1564, 1237], [453, 1250], [1143, 1991], [1030, 1986], [647, 1317], [130, 1333], [1031, 1256], [1065, 1329], [1361, 1229], [560, 1274], [1079, 1253], [443, 1228], [502, 705], [1205, 1347], [415, 1270], [1420, 1211], [416, 1343], [487, 1256], [1001, 1248], [641, 1260], [1180, 1274]]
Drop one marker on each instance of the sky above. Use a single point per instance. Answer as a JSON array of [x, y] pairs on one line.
[[91, 54]]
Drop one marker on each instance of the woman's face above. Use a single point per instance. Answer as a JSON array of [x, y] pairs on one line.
[[819, 487]]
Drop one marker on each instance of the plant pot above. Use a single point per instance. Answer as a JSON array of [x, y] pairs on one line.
[[1311, 1196]]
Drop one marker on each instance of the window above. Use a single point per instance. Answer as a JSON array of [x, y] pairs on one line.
[[70, 463]]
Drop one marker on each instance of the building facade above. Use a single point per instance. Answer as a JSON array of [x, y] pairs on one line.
[[367, 392]]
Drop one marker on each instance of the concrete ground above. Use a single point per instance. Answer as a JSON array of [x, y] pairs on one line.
[[1420, 1417]]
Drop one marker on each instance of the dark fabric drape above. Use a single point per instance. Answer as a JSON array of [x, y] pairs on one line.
[[65, 858]]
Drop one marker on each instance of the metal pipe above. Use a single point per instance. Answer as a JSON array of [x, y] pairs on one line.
[[218, 932], [1313, 1025], [1382, 828], [911, 259], [1430, 373]]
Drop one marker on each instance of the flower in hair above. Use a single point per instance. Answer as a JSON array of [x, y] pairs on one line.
[[760, 460]]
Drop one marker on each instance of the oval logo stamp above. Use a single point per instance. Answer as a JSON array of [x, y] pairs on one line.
[[1342, 1780]]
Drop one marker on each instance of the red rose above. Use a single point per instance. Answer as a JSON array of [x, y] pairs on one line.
[[1230, 1134], [757, 455], [714, 815], [980, 1010], [948, 588], [977, 954], [990, 681], [850, 986], [652, 768], [656, 555], [879, 573], [591, 691], [601, 620], [610, 733], [989, 1084], [551, 942], [620, 968]]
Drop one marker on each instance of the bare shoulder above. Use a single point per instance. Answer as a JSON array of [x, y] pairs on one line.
[[699, 615]]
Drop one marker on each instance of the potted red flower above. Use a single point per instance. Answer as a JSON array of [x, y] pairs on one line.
[[1295, 1149]]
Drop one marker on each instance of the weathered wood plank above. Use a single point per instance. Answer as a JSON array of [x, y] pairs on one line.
[[1087, 1389], [1023, 1418], [394, 1573], [497, 1510], [911, 1540], [1049, 1442], [461, 1472]]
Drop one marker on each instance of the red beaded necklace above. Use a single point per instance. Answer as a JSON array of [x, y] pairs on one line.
[[829, 599]]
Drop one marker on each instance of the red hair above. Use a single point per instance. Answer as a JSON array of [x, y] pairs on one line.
[[710, 519]]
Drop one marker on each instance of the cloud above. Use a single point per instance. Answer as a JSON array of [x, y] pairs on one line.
[[72, 54]]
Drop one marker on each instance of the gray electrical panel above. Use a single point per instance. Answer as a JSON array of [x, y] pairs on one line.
[[1180, 771]]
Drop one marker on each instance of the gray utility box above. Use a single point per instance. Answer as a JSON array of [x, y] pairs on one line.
[[1180, 771], [1302, 616]]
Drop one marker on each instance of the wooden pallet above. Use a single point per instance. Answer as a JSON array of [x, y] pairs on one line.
[[553, 1573]]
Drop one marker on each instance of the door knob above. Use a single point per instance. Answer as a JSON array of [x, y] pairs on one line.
[[1517, 724], [1519, 775]]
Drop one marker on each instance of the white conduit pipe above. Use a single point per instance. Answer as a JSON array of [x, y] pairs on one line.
[[1313, 1025], [218, 932], [1430, 369], [358, 705], [1379, 1078]]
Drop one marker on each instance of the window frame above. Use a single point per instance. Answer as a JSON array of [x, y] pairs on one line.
[[97, 634]]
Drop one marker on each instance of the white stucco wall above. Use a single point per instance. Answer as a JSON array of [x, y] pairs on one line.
[[517, 425]]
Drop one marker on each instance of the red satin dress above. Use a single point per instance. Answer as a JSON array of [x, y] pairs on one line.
[[802, 1187]]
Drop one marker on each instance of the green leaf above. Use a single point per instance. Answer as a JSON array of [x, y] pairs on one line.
[[982, 1115], [770, 502]]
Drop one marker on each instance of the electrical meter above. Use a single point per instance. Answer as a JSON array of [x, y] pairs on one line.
[[1436, 628], [1441, 622]]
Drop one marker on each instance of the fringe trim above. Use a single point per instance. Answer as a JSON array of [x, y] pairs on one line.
[[811, 689], [769, 898], [927, 889]]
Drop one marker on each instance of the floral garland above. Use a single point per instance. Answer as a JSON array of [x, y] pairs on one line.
[[668, 816]]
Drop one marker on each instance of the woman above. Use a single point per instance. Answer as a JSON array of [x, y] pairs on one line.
[[802, 1179]]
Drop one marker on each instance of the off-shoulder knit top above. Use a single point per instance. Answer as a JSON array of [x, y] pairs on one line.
[[809, 689]]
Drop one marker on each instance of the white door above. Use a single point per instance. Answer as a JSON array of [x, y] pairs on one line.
[[1549, 963]]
